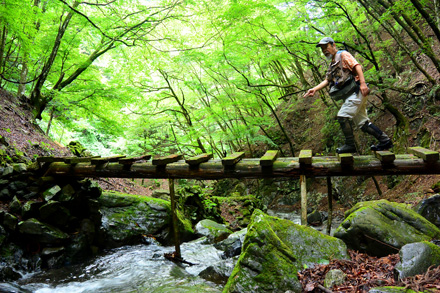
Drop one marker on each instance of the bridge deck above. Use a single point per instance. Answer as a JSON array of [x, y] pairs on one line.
[[420, 161]]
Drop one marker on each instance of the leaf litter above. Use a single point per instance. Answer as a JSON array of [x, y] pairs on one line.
[[364, 272]]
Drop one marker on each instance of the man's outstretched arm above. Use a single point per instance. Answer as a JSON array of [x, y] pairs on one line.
[[312, 91]]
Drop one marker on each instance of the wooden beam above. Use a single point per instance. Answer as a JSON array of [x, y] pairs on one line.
[[49, 159], [268, 158], [232, 159], [100, 161], [322, 166], [76, 160], [425, 154], [131, 160], [197, 160], [305, 157], [385, 157], [346, 159], [162, 161]]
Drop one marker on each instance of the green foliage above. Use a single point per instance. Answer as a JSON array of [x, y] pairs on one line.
[[197, 203], [192, 75]]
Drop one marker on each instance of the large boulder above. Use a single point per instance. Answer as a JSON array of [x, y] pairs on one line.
[[274, 250], [126, 217], [416, 258], [380, 227]]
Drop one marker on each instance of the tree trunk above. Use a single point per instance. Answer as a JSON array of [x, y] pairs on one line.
[[49, 124], [368, 5], [23, 77], [2, 47], [38, 101], [414, 32], [427, 17]]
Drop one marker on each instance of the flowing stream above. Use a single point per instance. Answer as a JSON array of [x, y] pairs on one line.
[[139, 268]]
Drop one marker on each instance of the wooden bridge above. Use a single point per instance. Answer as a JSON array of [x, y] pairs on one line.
[[418, 161]]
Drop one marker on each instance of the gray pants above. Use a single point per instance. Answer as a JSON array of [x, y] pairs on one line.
[[355, 108]]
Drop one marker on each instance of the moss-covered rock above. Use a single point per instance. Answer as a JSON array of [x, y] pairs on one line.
[[381, 227], [42, 232], [274, 250], [213, 231], [416, 258], [126, 217]]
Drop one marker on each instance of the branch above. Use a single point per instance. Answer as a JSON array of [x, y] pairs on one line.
[[87, 18], [98, 4]]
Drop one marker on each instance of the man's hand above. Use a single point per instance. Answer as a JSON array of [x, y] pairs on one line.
[[310, 92], [364, 89]]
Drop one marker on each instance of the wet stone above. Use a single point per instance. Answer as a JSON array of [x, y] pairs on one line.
[[5, 194], [30, 195], [42, 232], [51, 192], [10, 221], [50, 251], [31, 209], [20, 167], [8, 274], [8, 171], [15, 205], [17, 185], [4, 182], [3, 235], [430, 209], [54, 213], [67, 193]]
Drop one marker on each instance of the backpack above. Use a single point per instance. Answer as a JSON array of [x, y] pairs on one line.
[[342, 83]]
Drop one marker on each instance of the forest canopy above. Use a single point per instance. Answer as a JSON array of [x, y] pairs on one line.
[[141, 76]]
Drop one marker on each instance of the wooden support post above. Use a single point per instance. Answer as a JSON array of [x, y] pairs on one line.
[[330, 204], [302, 180], [377, 185], [175, 222]]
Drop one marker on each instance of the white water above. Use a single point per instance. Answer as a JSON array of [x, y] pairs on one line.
[[137, 268]]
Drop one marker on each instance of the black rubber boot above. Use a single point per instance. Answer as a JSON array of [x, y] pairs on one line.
[[385, 142], [347, 130]]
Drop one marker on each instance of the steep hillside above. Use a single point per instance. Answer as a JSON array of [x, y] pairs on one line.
[[21, 140]]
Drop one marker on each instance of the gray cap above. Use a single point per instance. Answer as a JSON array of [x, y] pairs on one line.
[[324, 41]]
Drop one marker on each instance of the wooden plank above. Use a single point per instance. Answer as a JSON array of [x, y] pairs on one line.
[[49, 159], [385, 157], [197, 160], [76, 160], [268, 158], [305, 157], [232, 159], [425, 154], [346, 159], [162, 161], [100, 161], [131, 160]]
